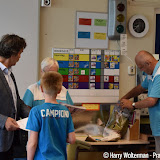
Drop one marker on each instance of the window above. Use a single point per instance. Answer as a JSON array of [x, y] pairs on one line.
[[157, 37]]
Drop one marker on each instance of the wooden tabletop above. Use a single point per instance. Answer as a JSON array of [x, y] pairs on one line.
[[81, 140]]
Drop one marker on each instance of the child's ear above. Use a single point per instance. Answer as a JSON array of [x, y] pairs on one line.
[[41, 88], [59, 90]]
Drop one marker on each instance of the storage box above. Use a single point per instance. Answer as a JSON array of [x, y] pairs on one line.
[[133, 132]]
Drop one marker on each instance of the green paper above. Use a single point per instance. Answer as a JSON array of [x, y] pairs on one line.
[[100, 22]]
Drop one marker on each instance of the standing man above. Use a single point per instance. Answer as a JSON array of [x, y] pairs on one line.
[[147, 63], [34, 96], [11, 106]]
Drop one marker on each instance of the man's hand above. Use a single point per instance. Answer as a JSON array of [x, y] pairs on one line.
[[125, 103], [11, 124]]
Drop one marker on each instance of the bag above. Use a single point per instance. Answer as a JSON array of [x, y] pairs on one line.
[[119, 120]]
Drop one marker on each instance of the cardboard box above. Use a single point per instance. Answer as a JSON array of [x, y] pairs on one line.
[[133, 132]]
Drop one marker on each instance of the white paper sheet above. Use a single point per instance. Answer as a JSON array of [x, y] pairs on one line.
[[73, 109], [22, 123]]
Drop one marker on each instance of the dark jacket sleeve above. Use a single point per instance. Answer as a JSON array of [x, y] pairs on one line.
[[23, 109]]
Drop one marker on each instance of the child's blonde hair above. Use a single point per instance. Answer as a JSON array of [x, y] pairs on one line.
[[51, 83]]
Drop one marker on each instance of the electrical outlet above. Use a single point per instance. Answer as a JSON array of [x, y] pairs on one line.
[[131, 70], [144, 111]]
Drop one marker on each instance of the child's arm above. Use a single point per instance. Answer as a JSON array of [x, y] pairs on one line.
[[71, 138], [32, 145]]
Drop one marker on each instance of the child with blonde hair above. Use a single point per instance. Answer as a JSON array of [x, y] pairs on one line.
[[51, 124]]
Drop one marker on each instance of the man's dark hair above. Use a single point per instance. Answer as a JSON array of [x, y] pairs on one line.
[[11, 44]]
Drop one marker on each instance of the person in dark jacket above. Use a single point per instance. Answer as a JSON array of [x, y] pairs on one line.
[[11, 106]]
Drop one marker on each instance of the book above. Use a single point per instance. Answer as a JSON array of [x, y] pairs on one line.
[[74, 109]]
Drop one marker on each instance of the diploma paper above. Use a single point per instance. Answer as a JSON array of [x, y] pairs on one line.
[[73, 109], [22, 124]]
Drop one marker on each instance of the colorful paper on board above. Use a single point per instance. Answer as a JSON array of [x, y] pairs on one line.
[[63, 64], [84, 35], [100, 22], [93, 107], [61, 57], [100, 36], [81, 64], [85, 21]]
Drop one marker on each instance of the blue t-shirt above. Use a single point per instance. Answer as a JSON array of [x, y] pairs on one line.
[[152, 84], [34, 96], [53, 122]]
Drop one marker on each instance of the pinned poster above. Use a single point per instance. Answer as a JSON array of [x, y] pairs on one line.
[[90, 75], [123, 44], [91, 30]]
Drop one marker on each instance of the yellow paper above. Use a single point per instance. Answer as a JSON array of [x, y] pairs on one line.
[[81, 57], [101, 36], [93, 107], [61, 57]]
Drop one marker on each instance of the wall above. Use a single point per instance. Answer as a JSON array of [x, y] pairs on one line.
[[135, 45], [57, 29], [21, 17]]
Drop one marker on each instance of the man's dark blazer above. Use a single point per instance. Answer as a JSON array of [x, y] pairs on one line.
[[7, 109]]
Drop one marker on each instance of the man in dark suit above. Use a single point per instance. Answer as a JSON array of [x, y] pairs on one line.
[[11, 106]]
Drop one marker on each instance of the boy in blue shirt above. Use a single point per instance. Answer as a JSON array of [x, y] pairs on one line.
[[50, 123]]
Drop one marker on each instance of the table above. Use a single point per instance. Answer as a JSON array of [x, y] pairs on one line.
[[137, 146]]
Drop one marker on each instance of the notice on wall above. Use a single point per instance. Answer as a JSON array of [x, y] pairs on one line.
[[123, 44], [89, 73], [91, 30]]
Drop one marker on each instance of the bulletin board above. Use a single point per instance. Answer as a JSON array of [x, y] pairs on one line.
[[91, 30], [91, 76]]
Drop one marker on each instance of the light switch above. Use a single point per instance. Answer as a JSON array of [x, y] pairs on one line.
[[131, 70]]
